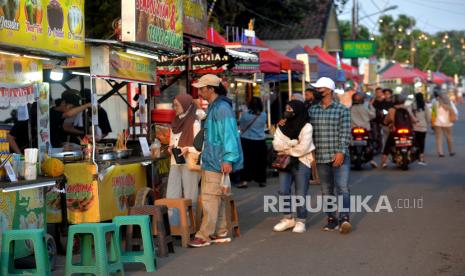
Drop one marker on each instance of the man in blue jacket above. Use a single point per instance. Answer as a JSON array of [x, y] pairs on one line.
[[221, 155]]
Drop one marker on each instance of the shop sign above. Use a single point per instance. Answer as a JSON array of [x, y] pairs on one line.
[[198, 60], [195, 18], [117, 64], [358, 48], [19, 70], [153, 22], [55, 26]]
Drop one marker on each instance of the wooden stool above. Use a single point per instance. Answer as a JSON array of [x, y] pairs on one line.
[[160, 227], [184, 206], [232, 217]]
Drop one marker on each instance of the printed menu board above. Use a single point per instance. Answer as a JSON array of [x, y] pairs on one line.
[[153, 22], [52, 26]]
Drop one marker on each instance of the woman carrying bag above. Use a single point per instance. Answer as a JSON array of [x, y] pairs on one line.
[[253, 123], [443, 117], [183, 179], [293, 143]]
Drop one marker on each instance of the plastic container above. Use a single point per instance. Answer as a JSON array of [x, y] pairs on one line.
[[163, 116]]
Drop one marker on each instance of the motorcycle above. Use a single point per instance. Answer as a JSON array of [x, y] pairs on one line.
[[361, 151], [403, 151]]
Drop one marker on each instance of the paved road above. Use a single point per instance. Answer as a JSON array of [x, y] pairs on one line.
[[421, 241]]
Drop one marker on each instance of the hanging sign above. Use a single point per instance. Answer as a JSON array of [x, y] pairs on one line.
[[195, 18], [54, 27], [153, 22]]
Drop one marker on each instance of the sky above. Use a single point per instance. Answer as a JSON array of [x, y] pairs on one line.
[[431, 16]]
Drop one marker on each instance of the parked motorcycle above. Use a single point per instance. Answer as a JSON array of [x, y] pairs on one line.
[[361, 151]]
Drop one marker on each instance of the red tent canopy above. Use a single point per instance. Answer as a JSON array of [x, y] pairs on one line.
[[328, 59], [407, 75], [214, 37], [286, 63]]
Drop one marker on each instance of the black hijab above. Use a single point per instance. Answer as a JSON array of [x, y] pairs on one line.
[[294, 125]]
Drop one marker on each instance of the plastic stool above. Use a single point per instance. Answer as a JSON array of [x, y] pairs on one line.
[[232, 217], [147, 256], [103, 264], [37, 236], [160, 227], [185, 229]]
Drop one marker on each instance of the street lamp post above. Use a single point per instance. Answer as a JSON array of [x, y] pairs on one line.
[[355, 20]]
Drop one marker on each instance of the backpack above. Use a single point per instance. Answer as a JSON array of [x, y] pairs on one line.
[[402, 119]]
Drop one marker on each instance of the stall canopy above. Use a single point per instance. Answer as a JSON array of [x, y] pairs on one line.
[[444, 77], [409, 75], [330, 60], [286, 63], [398, 71]]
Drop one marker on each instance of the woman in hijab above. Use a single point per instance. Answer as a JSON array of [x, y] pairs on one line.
[[182, 182], [294, 139], [443, 116]]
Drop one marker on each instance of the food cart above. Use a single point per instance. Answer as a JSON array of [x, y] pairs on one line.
[[28, 39]]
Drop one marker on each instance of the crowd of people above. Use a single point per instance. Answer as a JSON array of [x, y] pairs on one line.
[[311, 143]]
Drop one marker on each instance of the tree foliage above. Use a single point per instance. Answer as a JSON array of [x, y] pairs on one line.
[[400, 39]]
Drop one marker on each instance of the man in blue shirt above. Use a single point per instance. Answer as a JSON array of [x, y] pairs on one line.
[[221, 155]]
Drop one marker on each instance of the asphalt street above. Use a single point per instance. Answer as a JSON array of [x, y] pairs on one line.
[[409, 241]]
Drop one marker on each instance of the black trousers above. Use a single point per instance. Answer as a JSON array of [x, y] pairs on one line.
[[420, 138], [254, 160]]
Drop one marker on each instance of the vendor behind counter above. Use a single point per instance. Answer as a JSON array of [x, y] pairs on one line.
[[68, 107]]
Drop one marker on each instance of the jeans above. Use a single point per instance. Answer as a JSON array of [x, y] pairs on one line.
[[332, 179], [300, 175]]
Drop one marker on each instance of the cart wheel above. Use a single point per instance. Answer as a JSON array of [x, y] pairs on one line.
[[145, 196], [52, 251]]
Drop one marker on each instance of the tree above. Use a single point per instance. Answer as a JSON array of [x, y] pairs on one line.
[[265, 12], [345, 27]]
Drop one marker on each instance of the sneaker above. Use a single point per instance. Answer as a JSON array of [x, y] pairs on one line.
[[262, 185], [284, 224], [331, 225], [441, 155], [345, 226], [220, 238], [243, 185], [384, 165], [299, 227], [373, 164], [422, 163], [452, 154], [198, 242]]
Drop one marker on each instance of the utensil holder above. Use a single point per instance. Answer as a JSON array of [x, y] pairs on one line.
[[30, 171]]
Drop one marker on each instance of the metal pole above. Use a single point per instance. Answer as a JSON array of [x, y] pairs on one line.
[[289, 81]]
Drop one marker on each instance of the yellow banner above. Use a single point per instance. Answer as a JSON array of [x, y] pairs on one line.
[[19, 70], [121, 186], [55, 26], [132, 67], [82, 199], [91, 201]]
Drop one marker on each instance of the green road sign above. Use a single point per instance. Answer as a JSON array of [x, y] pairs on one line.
[[358, 48]]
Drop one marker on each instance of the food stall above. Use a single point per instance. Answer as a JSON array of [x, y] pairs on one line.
[[25, 43]]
